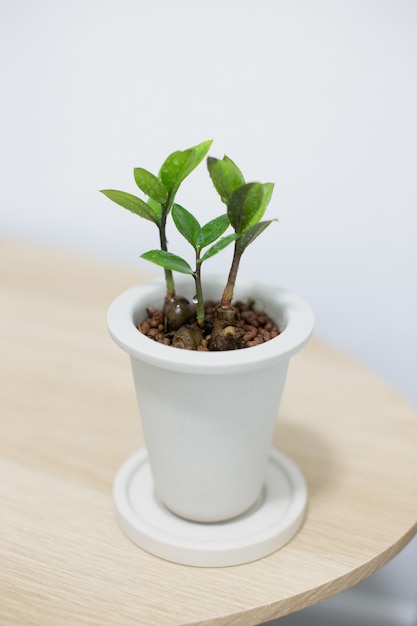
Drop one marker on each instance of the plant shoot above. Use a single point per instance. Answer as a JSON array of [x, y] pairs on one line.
[[245, 203]]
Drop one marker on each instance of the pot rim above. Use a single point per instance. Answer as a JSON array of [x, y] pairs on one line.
[[293, 315]]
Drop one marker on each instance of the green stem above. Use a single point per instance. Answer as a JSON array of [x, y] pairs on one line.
[[169, 278], [227, 296], [199, 290]]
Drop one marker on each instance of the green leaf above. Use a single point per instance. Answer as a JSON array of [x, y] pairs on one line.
[[178, 165], [212, 230], [220, 245], [226, 176], [175, 168], [168, 260], [150, 185], [201, 150], [244, 206], [268, 188], [187, 224], [156, 209], [132, 204], [251, 234]]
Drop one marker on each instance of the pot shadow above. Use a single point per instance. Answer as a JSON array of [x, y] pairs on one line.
[[311, 452]]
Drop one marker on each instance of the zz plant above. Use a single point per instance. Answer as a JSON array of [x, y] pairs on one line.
[[245, 207], [161, 191]]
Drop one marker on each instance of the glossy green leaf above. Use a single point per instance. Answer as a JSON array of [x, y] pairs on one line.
[[168, 260], [268, 188], [173, 168], [226, 176], [156, 209], [150, 185], [251, 234], [187, 224], [132, 204], [245, 204], [212, 230], [178, 165], [219, 245], [200, 151]]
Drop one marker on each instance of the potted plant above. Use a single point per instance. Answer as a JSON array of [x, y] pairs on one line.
[[209, 358]]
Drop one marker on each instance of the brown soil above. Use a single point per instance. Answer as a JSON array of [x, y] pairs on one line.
[[255, 327]]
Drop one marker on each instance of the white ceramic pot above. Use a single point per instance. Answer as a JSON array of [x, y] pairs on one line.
[[208, 417]]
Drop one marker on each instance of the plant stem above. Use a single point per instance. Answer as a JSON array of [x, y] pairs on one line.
[[169, 278], [199, 291], [227, 296]]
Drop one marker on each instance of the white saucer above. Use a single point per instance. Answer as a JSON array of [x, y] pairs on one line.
[[265, 528]]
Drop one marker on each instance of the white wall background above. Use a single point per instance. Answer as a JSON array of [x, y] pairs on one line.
[[319, 97]]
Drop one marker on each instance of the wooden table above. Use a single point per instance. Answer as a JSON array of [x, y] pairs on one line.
[[69, 419]]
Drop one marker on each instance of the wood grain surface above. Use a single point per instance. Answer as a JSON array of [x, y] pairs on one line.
[[69, 419]]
